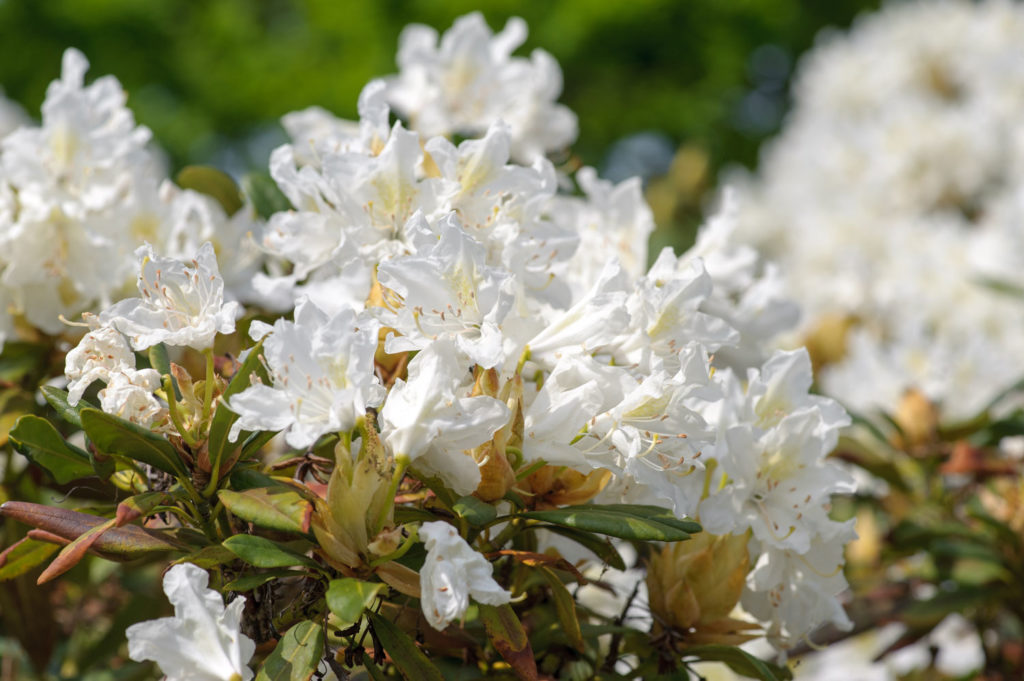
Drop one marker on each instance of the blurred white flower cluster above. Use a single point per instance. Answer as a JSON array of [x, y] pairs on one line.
[[494, 321], [79, 193], [893, 202]]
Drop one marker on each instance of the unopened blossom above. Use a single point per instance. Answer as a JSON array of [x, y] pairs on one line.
[[180, 303], [321, 368], [451, 573], [203, 640]]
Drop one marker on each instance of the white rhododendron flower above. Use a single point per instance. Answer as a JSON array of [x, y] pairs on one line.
[[129, 395], [180, 303], [493, 318], [203, 640], [101, 353], [322, 373], [430, 420], [451, 573], [468, 79]]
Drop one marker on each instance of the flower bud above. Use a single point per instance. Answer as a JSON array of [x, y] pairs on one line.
[[917, 418], [345, 524], [554, 486], [496, 474], [695, 584]]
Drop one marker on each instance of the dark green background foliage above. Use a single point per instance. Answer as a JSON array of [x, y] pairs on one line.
[[210, 77]]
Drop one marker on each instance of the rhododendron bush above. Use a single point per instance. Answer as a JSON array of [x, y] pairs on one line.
[[418, 403]]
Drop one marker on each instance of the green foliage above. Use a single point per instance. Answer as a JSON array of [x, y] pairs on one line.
[[626, 521], [296, 656]]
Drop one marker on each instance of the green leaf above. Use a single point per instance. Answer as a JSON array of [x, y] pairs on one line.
[[161, 362], [58, 399], [509, 638], [475, 511], [408, 658], [264, 194], [958, 599], [348, 598], [264, 553], [255, 442], [250, 582], [40, 442], [626, 521], [600, 546], [21, 557], [208, 557], [114, 435], [741, 662], [19, 359], [374, 672], [565, 607], [275, 508], [297, 654], [223, 418], [213, 183]]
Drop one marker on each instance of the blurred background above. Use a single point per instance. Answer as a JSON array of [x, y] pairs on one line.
[[701, 83]]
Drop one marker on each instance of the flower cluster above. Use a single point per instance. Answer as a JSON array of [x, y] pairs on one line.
[[467, 338], [78, 195], [892, 201]]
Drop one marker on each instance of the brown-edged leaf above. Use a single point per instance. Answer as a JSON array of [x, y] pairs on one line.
[[130, 541], [408, 658], [542, 559], [71, 554], [509, 638], [565, 607]]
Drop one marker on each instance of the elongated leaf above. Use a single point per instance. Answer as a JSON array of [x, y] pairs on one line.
[[600, 546], [58, 399], [213, 183], [565, 607], [160, 361], [141, 505], [264, 194], [264, 553], [71, 554], [509, 638], [250, 582], [374, 672], [348, 598], [626, 521], [275, 508], [741, 662], [255, 442], [297, 654], [126, 542], [40, 442], [475, 511], [21, 557], [219, 448], [412, 664], [117, 436], [208, 557]]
